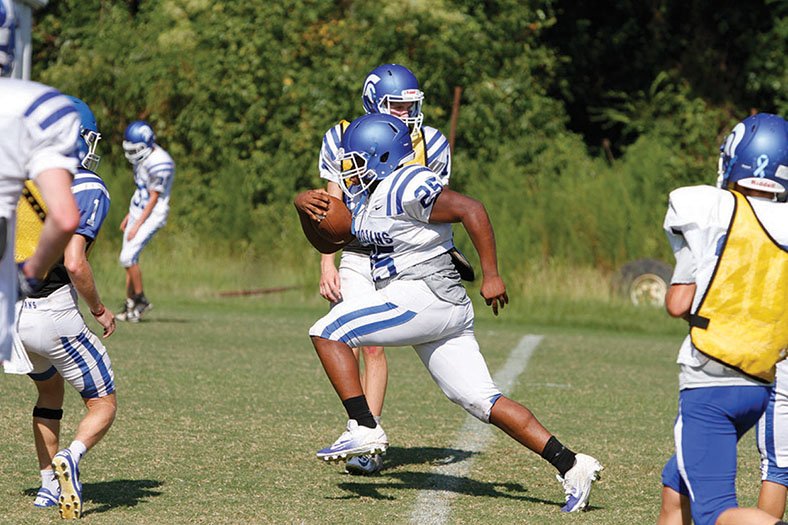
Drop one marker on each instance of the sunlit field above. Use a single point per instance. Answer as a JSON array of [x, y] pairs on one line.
[[222, 405]]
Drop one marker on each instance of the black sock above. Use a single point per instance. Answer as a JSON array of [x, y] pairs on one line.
[[558, 456], [358, 409]]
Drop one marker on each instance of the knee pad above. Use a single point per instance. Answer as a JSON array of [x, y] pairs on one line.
[[478, 407], [48, 413]]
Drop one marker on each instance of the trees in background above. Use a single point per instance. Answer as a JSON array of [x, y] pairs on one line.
[[241, 93]]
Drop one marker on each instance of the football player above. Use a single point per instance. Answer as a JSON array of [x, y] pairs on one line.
[[405, 214], [38, 133], [60, 346], [388, 89], [729, 283], [154, 171]]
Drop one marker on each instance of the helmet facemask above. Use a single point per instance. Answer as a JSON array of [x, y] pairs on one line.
[[354, 177], [415, 117], [136, 152], [90, 161]]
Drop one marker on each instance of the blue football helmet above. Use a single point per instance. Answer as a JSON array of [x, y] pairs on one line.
[[138, 141], [755, 154], [392, 83], [7, 37], [89, 135], [373, 146]]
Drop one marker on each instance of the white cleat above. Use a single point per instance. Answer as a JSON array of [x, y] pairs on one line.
[[577, 482], [357, 440], [364, 465]]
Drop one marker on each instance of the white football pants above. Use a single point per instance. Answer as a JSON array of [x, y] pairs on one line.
[[408, 313]]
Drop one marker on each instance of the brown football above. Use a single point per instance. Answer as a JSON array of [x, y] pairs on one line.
[[335, 227]]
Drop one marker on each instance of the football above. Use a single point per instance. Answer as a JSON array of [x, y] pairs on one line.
[[335, 226]]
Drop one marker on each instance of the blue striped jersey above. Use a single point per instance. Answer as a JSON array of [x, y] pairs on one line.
[[39, 129], [93, 202], [394, 221]]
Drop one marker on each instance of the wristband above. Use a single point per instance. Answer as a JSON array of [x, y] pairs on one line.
[[99, 313]]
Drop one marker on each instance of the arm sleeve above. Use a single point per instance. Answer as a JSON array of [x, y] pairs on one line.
[[93, 209], [675, 225], [418, 191], [439, 155], [328, 167], [159, 177]]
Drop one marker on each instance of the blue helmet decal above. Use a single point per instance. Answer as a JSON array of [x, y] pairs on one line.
[[394, 84], [373, 146], [755, 154], [7, 37], [89, 135]]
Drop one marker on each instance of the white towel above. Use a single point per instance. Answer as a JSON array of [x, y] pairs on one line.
[[19, 362]]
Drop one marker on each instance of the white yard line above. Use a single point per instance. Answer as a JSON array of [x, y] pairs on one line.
[[433, 506]]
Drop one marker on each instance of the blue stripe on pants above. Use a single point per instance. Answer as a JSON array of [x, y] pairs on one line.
[[372, 310], [378, 326]]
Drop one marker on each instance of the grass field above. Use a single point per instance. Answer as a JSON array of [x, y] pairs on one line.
[[222, 405]]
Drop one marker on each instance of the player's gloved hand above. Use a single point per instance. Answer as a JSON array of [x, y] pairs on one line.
[[26, 286]]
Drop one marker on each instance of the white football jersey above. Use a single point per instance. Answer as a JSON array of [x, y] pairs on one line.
[[394, 220], [39, 129], [155, 173], [436, 151], [696, 224]]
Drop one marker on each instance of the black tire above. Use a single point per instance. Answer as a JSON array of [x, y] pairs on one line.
[[644, 281]]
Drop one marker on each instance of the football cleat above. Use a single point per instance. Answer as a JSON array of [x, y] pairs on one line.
[[357, 440], [67, 475], [364, 465], [577, 482], [141, 307], [45, 498], [128, 313]]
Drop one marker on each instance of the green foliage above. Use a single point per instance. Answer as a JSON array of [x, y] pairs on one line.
[[241, 93]]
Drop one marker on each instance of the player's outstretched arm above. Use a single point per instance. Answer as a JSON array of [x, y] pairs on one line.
[[451, 206], [61, 221], [81, 274]]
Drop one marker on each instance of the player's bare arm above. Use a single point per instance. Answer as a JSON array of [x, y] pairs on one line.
[[124, 222], [61, 221], [330, 284], [678, 300], [452, 207], [154, 198], [81, 274]]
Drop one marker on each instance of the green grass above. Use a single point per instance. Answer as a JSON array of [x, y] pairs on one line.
[[222, 404]]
